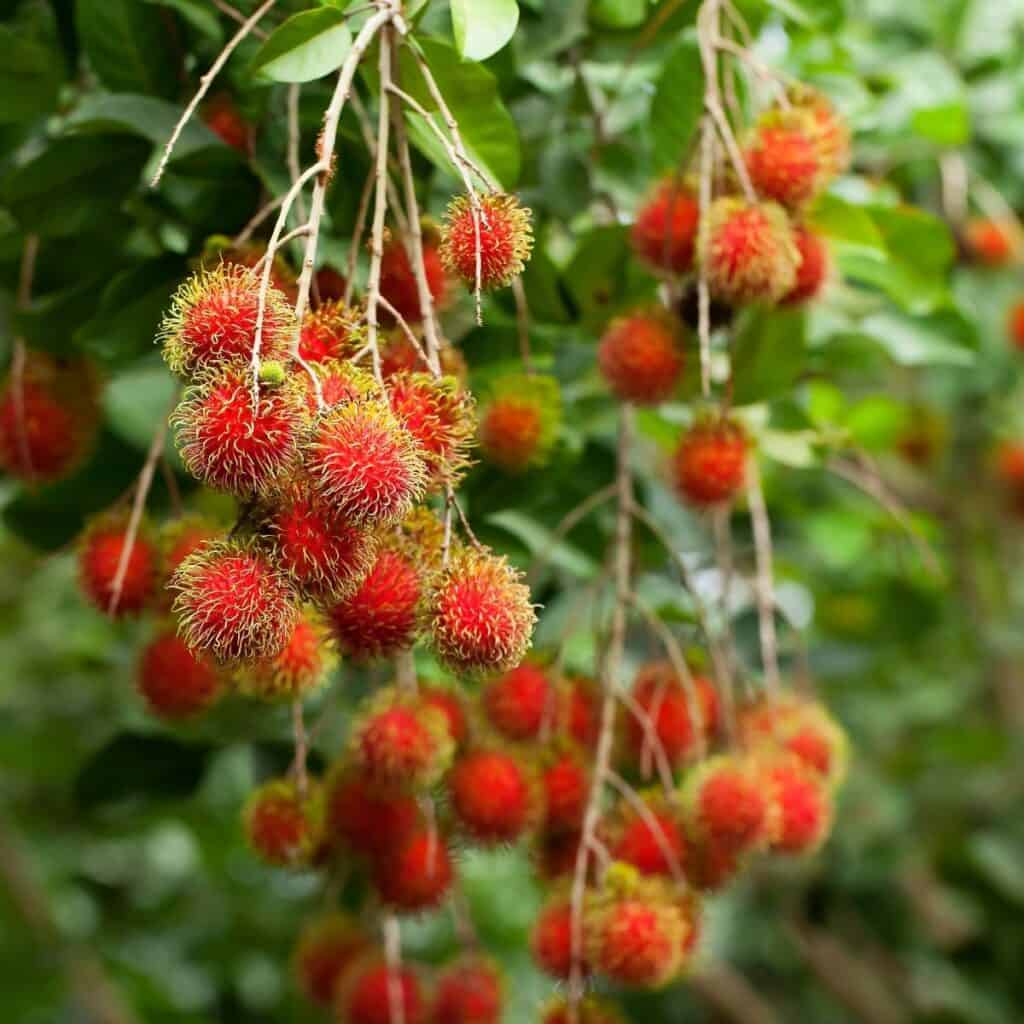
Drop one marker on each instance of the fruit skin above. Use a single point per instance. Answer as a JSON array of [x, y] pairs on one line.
[[231, 602], [829, 129], [992, 243], [783, 159], [813, 271], [665, 231], [728, 804], [709, 465], [398, 282], [482, 619], [331, 331], [282, 826], [300, 669], [748, 251], [99, 554], [176, 683], [578, 711], [397, 354], [340, 382], [493, 795], [506, 240], [327, 947], [227, 444], [520, 423], [451, 705], [330, 285], [365, 992], [1015, 325], [516, 702], [212, 321], [416, 875], [565, 783], [364, 819], [632, 838], [469, 991], [383, 615], [551, 940], [49, 418], [801, 805], [179, 538], [365, 464], [223, 118], [641, 357]]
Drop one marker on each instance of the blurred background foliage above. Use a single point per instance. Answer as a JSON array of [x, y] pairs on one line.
[[118, 838]]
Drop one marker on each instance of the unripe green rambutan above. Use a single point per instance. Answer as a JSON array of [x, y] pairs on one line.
[[100, 551], [327, 947], [300, 669], [283, 827], [505, 239], [520, 423]]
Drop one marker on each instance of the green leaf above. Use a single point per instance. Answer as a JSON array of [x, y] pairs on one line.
[[677, 105], [483, 27], [948, 124], [847, 225], [306, 47], [768, 355], [540, 541], [618, 13], [198, 14], [940, 339], [603, 276], [30, 77]]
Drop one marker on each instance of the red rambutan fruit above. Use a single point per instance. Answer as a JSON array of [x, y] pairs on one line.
[[482, 618], [469, 991], [49, 417], [416, 875], [299, 669], [1009, 464], [283, 827], [813, 270], [397, 355], [401, 743], [505, 240], [802, 808], [653, 843], [579, 711], [180, 538], [175, 682], [727, 801], [665, 230], [233, 603], [213, 316], [100, 551], [327, 947], [829, 130], [748, 251], [220, 249], [398, 281], [710, 461], [991, 242], [222, 116], [589, 1011], [331, 285], [783, 158], [493, 795], [365, 464], [551, 940], [366, 992], [1015, 325], [516, 702], [367, 820], [340, 382], [382, 616], [565, 783], [227, 443], [711, 865], [641, 357], [331, 331], [554, 855], [519, 426], [451, 705]]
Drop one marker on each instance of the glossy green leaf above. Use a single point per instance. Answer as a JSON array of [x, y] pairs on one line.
[[483, 27], [30, 76], [306, 47], [677, 105], [768, 355]]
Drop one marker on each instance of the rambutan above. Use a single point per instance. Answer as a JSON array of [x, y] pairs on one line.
[[367, 820], [233, 603], [222, 116], [299, 669], [251, 255], [100, 552], [398, 354], [829, 130], [578, 710], [482, 618], [654, 842], [517, 701], [565, 783], [339, 382], [493, 795], [1015, 325], [180, 538], [227, 443], [748, 251], [783, 159], [331, 285], [331, 331], [813, 270], [551, 940], [505, 239], [665, 230], [416, 875], [727, 801], [641, 357], [213, 317], [450, 704], [49, 418], [709, 463], [711, 865], [327, 947], [175, 682], [1008, 462], [589, 1011], [469, 991], [401, 742], [382, 616], [281, 825], [991, 242], [365, 994], [398, 281], [801, 804], [365, 464], [520, 423]]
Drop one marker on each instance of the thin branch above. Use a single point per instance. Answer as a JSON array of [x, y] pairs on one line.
[[569, 522], [357, 234], [236, 15], [257, 219], [643, 812], [294, 140], [393, 957], [703, 289], [765, 588], [366, 127]]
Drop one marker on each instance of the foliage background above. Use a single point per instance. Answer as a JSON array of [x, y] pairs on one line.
[[127, 829]]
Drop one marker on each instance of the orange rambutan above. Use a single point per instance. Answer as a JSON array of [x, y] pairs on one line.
[[176, 683], [993, 243], [505, 239], [665, 230], [829, 129], [468, 991], [100, 552], [783, 159], [709, 463], [416, 875], [516, 702], [284, 827], [331, 331], [641, 357], [299, 669], [398, 281], [520, 423], [367, 820], [493, 795], [327, 947], [813, 271]]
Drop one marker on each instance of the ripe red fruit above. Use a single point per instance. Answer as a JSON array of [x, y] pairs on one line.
[[711, 865], [710, 461], [382, 616], [340, 382], [641, 358], [647, 841], [1009, 464], [282, 826], [366, 992], [492, 795], [663, 697], [401, 742], [180, 538], [213, 316], [482, 616], [301, 667], [468, 992], [829, 129], [992, 243], [225, 120], [665, 231], [327, 947], [398, 282], [49, 417], [365, 464], [397, 353], [801, 805], [332, 331], [728, 802], [566, 785], [416, 875], [520, 424], [232, 603], [1015, 325], [366, 820], [551, 940], [174, 682], [450, 704], [783, 158], [748, 251], [516, 703], [579, 711], [227, 443], [813, 270], [505, 240], [323, 554], [330, 285], [99, 557]]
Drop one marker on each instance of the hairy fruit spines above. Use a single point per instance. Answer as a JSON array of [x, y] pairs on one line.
[[100, 551], [520, 421], [506, 239], [709, 465], [283, 826], [641, 356], [664, 233]]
